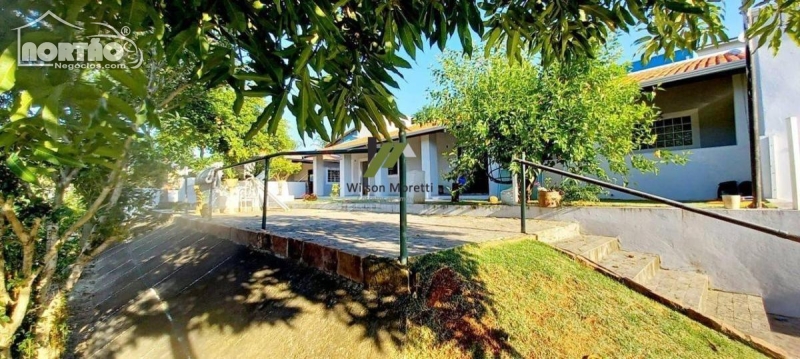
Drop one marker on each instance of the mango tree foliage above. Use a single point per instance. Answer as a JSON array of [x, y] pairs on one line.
[[332, 62], [575, 115], [207, 129]]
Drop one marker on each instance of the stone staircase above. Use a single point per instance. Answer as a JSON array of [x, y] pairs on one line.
[[744, 312]]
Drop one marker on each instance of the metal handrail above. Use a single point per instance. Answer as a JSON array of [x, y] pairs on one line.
[[266, 172], [652, 197]]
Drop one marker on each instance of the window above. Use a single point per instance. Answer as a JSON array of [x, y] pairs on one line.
[[394, 169], [676, 130], [333, 176]]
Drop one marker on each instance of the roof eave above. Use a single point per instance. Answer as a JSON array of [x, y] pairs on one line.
[[411, 134], [697, 73]]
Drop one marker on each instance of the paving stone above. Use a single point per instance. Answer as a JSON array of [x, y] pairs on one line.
[[687, 288]]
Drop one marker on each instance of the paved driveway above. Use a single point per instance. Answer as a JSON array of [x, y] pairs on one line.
[[179, 294]]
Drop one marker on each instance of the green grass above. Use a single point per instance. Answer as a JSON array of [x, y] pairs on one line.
[[524, 299]]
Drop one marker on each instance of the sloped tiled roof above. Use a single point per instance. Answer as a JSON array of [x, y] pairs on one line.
[[413, 130], [691, 67]]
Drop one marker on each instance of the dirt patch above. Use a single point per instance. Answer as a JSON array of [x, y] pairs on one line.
[[455, 308]]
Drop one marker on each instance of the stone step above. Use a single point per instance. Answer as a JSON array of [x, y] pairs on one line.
[[639, 267], [745, 312], [557, 233], [687, 288], [593, 248]]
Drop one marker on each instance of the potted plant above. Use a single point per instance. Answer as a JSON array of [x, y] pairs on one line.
[[334, 190], [231, 177], [549, 195]]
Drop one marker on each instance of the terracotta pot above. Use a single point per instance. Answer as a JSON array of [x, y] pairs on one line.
[[549, 198]]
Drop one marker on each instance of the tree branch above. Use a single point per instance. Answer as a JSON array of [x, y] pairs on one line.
[[173, 94]]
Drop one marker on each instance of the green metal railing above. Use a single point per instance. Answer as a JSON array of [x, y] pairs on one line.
[[645, 195], [402, 163]]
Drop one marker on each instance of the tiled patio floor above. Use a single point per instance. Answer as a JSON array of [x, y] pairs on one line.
[[366, 233]]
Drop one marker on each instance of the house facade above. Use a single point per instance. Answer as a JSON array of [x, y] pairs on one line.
[[704, 114], [704, 106], [432, 147]]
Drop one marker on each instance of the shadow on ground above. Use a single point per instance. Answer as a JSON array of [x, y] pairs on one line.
[[173, 293]]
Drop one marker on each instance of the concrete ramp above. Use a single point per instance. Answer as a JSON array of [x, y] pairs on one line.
[[174, 293]]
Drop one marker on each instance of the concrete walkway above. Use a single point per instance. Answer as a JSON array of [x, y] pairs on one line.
[[369, 233], [175, 293], [178, 293]]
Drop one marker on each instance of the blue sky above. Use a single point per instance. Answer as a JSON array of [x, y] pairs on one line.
[[411, 96]]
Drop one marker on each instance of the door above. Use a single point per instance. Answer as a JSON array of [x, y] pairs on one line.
[[364, 180], [478, 179], [310, 182]]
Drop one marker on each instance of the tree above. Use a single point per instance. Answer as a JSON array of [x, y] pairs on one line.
[[207, 130], [331, 61], [576, 114], [70, 159]]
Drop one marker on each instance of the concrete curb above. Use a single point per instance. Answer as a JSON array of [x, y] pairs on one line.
[[383, 275]]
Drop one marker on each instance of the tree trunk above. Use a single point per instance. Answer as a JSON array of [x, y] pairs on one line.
[[45, 335]]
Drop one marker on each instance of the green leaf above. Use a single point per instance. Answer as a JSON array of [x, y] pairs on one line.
[[137, 88], [18, 167], [55, 158], [684, 7], [8, 67], [179, 43], [22, 107]]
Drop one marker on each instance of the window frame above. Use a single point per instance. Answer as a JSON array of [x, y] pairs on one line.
[[695, 121], [328, 175], [397, 167]]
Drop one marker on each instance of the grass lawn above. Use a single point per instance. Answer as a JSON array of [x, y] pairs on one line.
[[524, 299]]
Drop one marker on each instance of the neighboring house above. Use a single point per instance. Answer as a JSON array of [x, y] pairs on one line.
[[704, 108], [306, 173]]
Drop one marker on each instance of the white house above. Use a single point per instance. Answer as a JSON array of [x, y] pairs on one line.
[[704, 111], [704, 108], [432, 147]]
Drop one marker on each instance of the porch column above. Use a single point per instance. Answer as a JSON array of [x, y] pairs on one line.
[[430, 164], [319, 176], [345, 174], [381, 182], [793, 128]]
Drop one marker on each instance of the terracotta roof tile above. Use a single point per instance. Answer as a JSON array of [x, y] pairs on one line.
[[687, 66]]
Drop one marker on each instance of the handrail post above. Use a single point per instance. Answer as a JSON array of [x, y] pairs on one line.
[[266, 190], [523, 209], [211, 194], [403, 203]]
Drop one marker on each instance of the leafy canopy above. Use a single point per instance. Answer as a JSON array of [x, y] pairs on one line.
[[331, 62], [578, 115]]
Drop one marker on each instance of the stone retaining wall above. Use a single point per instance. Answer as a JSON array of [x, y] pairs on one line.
[[385, 275]]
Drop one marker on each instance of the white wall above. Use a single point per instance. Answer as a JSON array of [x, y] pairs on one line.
[[736, 259], [777, 88], [696, 180], [707, 167]]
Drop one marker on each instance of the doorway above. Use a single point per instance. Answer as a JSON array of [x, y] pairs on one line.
[[364, 180]]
